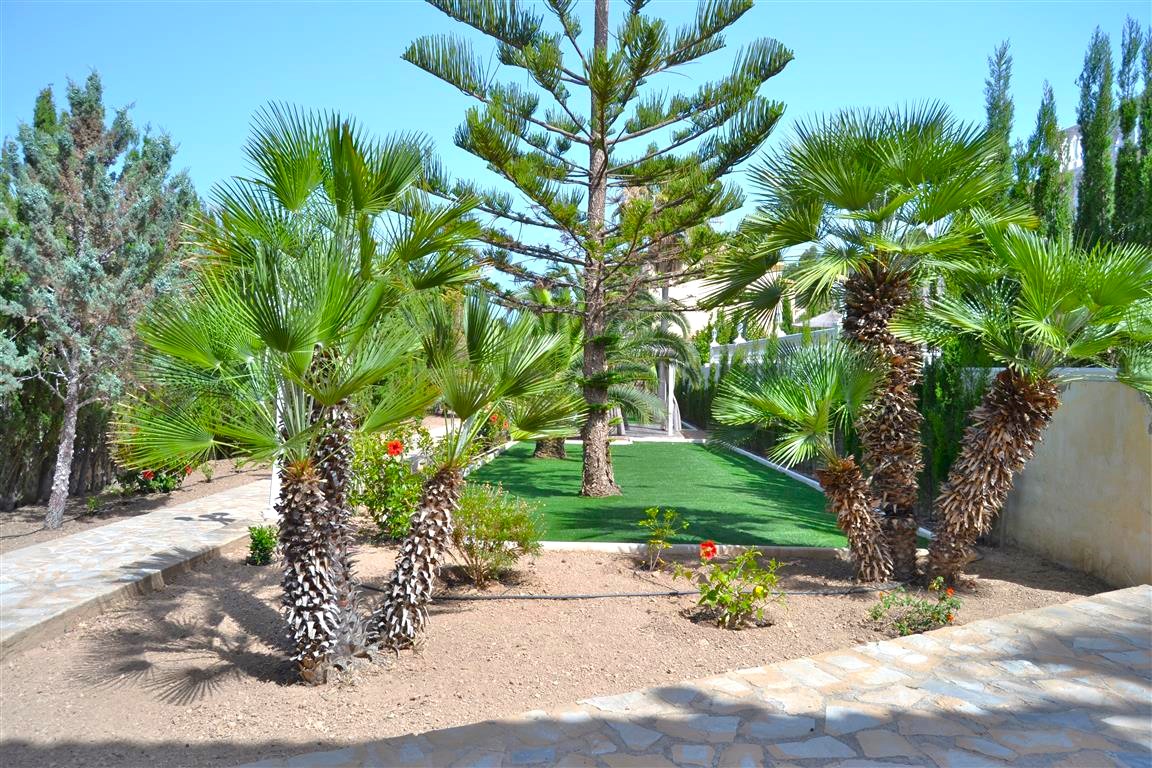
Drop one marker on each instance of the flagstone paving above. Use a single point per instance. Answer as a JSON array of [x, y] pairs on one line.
[[1064, 686], [46, 587]]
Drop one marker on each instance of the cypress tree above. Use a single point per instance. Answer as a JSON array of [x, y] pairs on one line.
[[999, 108], [1097, 118], [1145, 144], [1126, 221], [44, 114], [1051, 186]]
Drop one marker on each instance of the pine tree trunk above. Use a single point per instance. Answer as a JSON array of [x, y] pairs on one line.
[[550, 448], [997, 444], [400, 619], [598, 479], [850, 499], [889, 427], [312, 568], [62, 475]]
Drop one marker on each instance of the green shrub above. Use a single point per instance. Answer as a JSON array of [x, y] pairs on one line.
[[208, 471], [152, 480], [387, 477], [261, 544], [661, 528], [493, 530], [735, 592], [907, 614]]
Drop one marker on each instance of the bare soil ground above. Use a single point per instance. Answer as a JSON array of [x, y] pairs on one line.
[[197, 674], [24, 526]]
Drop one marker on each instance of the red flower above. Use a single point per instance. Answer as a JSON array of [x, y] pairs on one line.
[[948, 618], [187, 469], [147, 474], [505, 423], [707, 550], [949, 591], [395, 447], [495, 417]]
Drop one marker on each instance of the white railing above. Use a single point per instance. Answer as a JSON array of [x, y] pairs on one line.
[[755, 351]]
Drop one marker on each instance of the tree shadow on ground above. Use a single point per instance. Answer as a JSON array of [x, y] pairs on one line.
[[182, 658], [1037, 712]]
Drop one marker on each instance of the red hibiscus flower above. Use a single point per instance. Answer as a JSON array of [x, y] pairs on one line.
[[395, 447], [494, 418], [147, 474], [187, 469], [949, 591], [707, 550], [505, 423]]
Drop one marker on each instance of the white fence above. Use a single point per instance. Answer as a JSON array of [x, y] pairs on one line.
[[755, 351]]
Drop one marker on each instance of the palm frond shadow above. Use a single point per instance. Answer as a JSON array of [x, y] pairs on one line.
[[182, 659]]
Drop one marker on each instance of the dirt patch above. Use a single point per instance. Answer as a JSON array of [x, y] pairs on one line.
[[24, 526], [196, 675]]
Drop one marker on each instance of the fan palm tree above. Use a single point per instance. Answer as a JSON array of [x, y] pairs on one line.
[[485, 365], [643, 334], [810, 392], [300, 299], [884, 197], [1034, 305]]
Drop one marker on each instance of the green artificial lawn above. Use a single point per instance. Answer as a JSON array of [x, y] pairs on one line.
[[723, 496]]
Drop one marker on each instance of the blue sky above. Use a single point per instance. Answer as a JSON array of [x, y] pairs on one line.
[[199, 69]]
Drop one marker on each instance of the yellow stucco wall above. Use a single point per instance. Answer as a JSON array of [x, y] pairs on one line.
[[1085, 500]]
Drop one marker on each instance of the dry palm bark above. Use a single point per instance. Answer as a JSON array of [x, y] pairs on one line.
[[333, 459], [311, 568], [889, 426], [550, 448], [997, 444], [400, 619], [850, 500]]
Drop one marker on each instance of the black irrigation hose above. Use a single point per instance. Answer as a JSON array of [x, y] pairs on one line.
[[669, 593]]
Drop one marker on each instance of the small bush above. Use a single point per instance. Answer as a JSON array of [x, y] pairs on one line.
[[907, 614], [152, 480], [387, 477], [493, 530], [208, 471], [661, 528], [261, 544], [92, 506], [735, 592]]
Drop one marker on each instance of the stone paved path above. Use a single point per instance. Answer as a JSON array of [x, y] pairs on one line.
[[1068, 685], [48, 586]]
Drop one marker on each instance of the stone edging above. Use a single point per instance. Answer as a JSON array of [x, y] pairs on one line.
[[724, 550]]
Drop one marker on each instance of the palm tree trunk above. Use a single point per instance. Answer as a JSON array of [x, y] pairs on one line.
[[889, 427], [333, 458], [850, 499], [997, 444], [550, 448], [400, 619], [312, 570]]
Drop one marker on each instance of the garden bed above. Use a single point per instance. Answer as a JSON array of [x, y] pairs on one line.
[[722, 496], [24, 526], [197, 674]]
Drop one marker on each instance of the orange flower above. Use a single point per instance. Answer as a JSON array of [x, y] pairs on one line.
[[948, 618], [707, 550], [949, 591], [395, 447]]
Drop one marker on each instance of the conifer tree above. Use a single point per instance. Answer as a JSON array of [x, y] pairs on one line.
[[1145, 144], [999, 108], [1051, 185], [99, 215], [1126, 221], [1097, 118], [578, 121]]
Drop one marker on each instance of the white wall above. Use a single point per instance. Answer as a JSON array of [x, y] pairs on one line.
[[1085, 499]]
